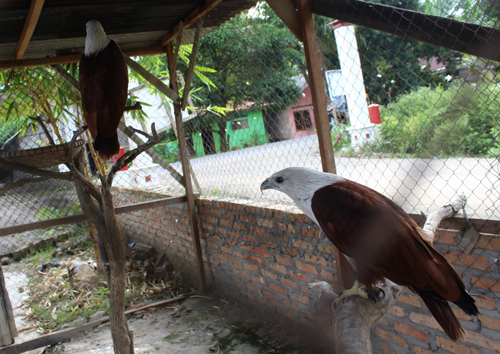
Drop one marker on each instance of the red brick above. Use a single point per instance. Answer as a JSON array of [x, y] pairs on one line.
[[489, 322], [270, 295], [310, 232], [419, 350], [246, 218], [313, 258], [234, 234], [262, 252], [278, 288], [485, 283], [283, 260], [231, 215], [302, 299], [254, 209], [268, 274], [302, 244], [411, 331], [240, 226], [216, 237], [425, 320], [396, 311], [482, 341], [277, 268], [247, 248], [235, 206], [226, 223], [455, 348], [252, 287], [296, 217], [226, 250], [220, 257], [291, 305], [305, 267], [265, 223], [258, 279], [240, 255], [485, 302], [290, 283], [391, 337], [231, 242], [219, 204], [257, 260], [329, 276], [387, 349], [273, 213], [241, 273], [250, 239], [468, 260], [269, 244], [412, 300], [299, 276], [258, 231], [383, 321], [290, 251], [286, 227], [251, 267], [217, 212], [235, 262]]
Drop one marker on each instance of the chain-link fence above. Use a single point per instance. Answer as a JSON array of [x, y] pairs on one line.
[[417, 122]]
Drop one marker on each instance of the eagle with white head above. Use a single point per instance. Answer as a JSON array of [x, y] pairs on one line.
[[379, 239]]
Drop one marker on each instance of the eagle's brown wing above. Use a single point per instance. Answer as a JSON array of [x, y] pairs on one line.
[[104, 85], [385, 242]]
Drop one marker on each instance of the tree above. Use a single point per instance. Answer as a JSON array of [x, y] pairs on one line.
[[255, 59]]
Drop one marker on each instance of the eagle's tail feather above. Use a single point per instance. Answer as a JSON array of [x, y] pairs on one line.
[[107, 147], [442, 312]]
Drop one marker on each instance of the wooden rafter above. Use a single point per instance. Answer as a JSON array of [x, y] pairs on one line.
[[287, 12], [189, 20], [192, 61], [29, 27], [73, 58]]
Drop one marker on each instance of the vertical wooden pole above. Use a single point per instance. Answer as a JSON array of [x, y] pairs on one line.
[[316, 84], [185, 169]]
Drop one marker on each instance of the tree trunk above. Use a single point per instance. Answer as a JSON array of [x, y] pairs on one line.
[[221, 125], [355, 316], [112, 253]]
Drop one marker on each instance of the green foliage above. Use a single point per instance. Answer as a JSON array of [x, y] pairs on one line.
[[169, 151], [459, 121], [342, 141], [50, 212]]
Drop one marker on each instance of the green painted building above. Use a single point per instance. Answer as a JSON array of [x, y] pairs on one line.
[[243, 129]]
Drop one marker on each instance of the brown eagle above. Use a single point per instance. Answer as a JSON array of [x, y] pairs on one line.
[[103, 86], [379, 239]]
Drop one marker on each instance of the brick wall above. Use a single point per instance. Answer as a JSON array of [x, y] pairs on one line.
[[266, 256]]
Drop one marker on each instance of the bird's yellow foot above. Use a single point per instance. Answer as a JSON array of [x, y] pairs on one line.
[[355, 290]]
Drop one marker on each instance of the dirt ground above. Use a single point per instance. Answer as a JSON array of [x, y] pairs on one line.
[[201, 325]]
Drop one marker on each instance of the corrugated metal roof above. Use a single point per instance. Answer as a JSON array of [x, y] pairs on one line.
[[134, 24]]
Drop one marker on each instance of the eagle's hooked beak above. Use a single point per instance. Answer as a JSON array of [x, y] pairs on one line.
[[265, 185]]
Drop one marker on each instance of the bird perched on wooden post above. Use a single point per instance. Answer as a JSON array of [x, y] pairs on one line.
[[379, 239], [103, 86]]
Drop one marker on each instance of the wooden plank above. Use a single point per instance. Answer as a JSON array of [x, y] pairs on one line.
[[464, 37], [189, 20], [484, 227], [153, 80], [192, 62], [73, 58], [81, 217], [64, 335], [181, 138], [7, 323], [316, 84], [29, 27], [287, 12]]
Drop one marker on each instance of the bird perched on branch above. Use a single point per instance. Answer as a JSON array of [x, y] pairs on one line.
[[103, 86], [379, 239]]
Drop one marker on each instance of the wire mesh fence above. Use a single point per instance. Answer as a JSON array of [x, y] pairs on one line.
[[417, 122]]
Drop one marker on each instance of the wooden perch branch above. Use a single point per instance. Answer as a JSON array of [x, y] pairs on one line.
[[355, 316], [19, 183]]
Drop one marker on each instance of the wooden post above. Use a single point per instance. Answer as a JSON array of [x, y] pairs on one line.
[[316, 84], [193, 220], [7, 324]]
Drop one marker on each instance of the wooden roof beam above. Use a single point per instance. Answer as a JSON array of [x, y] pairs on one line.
[[287, 12], [73, 58], [189, 20], [29, 27], [463, 37]]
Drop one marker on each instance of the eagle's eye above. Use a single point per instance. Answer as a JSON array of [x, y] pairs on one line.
[[279, 179]]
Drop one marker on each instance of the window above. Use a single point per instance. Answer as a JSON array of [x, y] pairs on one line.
[[239, 124], [302, 120]]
